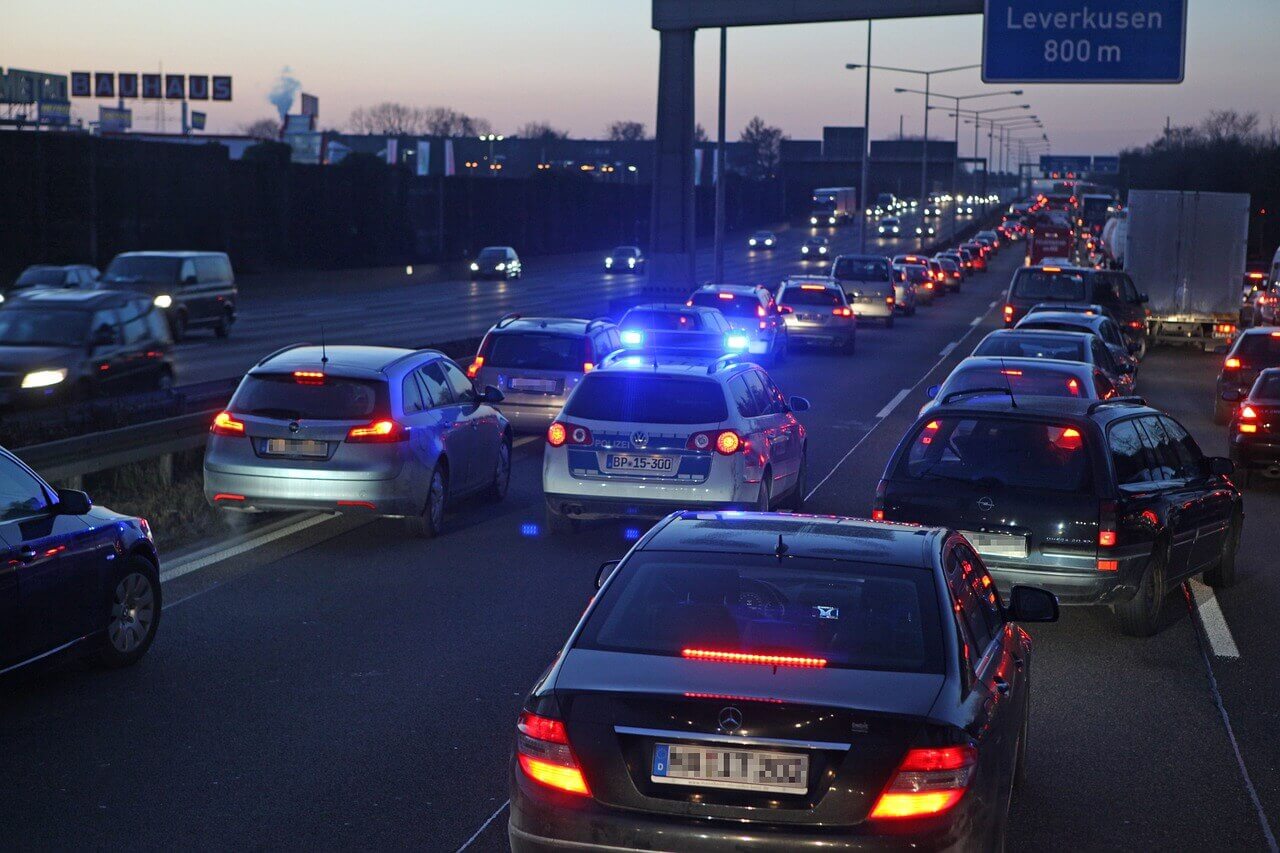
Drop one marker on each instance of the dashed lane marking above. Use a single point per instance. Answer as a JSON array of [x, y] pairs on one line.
[[948, 349], [893, 404], [1214, 621]]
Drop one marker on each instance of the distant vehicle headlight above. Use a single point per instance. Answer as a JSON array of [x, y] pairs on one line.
[[736, 343], [631, 262], [919, 230], [608, 262], [895, 229], [44, 378], [751, 242], [501, 266], [164, 300], [813, 220], [475, 267], [631, 337], [881, 229], [822, 250], [804, 250], [768, 242], [831, 220]]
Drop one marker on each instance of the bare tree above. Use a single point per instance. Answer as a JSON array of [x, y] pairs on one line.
[[263, 128], [626, 131], [446, 121], [541, 130], [1231, 126], [387, 117], [765, 142]]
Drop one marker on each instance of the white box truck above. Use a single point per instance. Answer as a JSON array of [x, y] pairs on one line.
[[833, 206], [1186, 251]]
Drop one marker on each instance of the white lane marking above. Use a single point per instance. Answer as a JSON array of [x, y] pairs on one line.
[[976, 320], [521, 442], [195, 565], [1214, 621], [893, 404], [948, 349], [483, 827], [994, 303]]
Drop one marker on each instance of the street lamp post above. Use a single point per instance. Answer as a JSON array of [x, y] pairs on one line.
[[719, 238], [491, 138]]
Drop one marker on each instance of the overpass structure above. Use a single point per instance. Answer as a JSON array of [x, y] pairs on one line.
[[672, 240]]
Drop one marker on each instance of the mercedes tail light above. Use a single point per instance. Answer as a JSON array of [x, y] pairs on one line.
[[542, 749], [929, 781], [1107, 524], [1246, 419]]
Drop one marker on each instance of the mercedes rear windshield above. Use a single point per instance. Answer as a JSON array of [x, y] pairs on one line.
[[845, 614], [1021, 380], [646, 398]]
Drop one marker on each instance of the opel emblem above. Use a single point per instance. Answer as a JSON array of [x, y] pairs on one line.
[[986, 504], [293, 426], [730, 720], [640, 439]]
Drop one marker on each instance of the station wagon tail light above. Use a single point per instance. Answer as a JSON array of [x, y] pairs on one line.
[[1008, 313], [1247, 413], [1069, 439], [587, 367], [557, 435], [1231, 364], [226, 424], [378, 432], [760, 660], [929, 781], [725, 441], [929, 431], [542, 747], [1107, 524], [877, 506], [842, 311], [1073, 387], [474, 367], [561, 433]]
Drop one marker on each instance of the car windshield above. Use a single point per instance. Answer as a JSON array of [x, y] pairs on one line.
[[730, 304], [1055, 286], [135, 268], [39, 278], [1032, 323], [1020, 379], [1260, 350], [625, 252], [763, 235], [996, 452], [663, 321], [1060, 347], [493, 254], [646, 398], [1266, 388], [51, 327], [535, 351], [811, 296], [851, 615], [861, 269], [337, 398], [915, 273]]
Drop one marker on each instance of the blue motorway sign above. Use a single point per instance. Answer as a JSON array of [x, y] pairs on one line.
[[1084, 41], [1052, 163], [1105, 165]]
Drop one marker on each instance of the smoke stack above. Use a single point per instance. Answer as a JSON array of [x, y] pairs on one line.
[[283, 92]]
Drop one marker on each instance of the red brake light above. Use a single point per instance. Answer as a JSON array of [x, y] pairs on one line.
[[475, 366], [1231, 364], [929, 781], [763, 660], [565, 433], [1106, 538], [1107, 524], [1073, 387], [760, 312], [1248, 413], [378, 432], [842, 312], [1069, 439], [542, 747], [1224, 329], [877, 506], [308, 377], [226, 424], [1011, 372], [557, 434], [723, 296]]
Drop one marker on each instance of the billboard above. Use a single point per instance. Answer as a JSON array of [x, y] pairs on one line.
[[54, 112], [310, 105], [114, 120], [29, 87], [110, 84]]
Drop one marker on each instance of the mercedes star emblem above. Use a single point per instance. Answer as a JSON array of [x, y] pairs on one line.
[[730, 720]]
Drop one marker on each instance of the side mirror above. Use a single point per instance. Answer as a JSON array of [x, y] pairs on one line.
[[73, 502], [1031, 604], [491, 395], [1231, 395], [932, 391], [606, 569], [799, 404], [1220, 466]]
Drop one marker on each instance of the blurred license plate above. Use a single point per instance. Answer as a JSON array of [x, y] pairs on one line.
[[297, 447], [546, 386], [726, 767], [997, 544], [656, 466]]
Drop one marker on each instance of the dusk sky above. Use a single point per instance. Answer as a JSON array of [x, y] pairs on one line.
[[580, 64]]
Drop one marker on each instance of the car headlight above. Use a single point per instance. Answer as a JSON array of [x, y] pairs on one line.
[[752, 241], [475, 267], [1, 297], [813, 220], [164, 300], [501, 266], [822, 250], [881, 229], [919, 230], [895, 229], [631, 337], [44, 378], [768, 242], [831, 220], [608, 262], [804, 250], [631, 262]]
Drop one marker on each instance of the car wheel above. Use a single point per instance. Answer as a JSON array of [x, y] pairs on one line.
[[429, 523], [1142, 350], [223, 327], [178, 327], [164, 382], [1221, 411], [1223, 573], [1140, 615], [764, 499], [795, 502], [502, 472], [559, 524], [134, 613]]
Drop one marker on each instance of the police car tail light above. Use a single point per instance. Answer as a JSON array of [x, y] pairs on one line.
[[724, 441], [631, 337], [560, 433], [475, 366], [225, 423], [542, 747], [381, 431], [736, 343], [929, 781]]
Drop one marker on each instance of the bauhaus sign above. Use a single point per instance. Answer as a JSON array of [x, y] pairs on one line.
[[173, 87]]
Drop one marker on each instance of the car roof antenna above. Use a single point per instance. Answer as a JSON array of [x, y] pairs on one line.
[[1013, 401], [324, 353], [781, 550]]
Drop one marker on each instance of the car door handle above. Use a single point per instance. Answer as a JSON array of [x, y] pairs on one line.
[[1002, 686]]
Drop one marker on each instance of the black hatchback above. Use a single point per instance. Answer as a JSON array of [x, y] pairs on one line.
[[803, 682], [1097, 501]]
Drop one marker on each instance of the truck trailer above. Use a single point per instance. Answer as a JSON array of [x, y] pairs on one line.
[[832, 206]]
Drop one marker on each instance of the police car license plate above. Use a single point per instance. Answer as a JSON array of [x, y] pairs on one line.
[[727, 767], [997, 544], [630, 463]]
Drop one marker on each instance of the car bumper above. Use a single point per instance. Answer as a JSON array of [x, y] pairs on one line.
[[255, 493], [822, 335], [530, 418], [1071, 587], [876, 310], [1252, 452]]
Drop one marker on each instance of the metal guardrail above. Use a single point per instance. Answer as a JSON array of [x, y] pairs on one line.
[[100, 451]]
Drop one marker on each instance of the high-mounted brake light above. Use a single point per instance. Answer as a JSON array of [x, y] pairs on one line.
[[813, 287], [725, 295], [929, 781], [308, 377], [1011, 372], [1052, 269], [474, 368], [762, 660], [225, 423], [542, 747], [378, 432]]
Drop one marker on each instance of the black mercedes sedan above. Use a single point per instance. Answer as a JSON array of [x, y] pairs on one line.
[[761, 681]]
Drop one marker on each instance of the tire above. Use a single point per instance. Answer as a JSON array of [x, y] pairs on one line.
[[1223, 573], [888, 322], [133, 613], [502, 473], [1221, 411], [178, 327], [429, 523], [795, 501], [764, 499], [1140, 615], [560, 525], [164, 382], [223, 327]]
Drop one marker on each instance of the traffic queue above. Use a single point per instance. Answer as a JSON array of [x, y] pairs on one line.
[[829, 681]]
